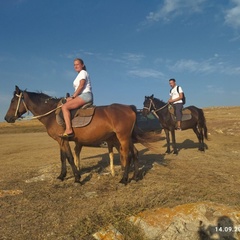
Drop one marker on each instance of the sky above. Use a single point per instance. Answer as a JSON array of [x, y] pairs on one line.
[[131, 48]]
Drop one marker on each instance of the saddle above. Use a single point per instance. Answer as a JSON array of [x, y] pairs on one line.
[[80, 117], [186, 113]]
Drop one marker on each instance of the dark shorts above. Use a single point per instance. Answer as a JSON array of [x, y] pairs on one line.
[[178, 111]]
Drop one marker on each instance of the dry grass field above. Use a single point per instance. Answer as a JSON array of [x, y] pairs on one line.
[[35, 205]]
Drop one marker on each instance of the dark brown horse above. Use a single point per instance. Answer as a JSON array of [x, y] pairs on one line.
[[113, 121], [197, 121]]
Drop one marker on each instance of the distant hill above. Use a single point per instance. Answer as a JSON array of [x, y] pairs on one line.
[[220, 120]]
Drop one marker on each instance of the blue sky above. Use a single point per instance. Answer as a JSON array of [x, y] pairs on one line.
[[131, 48]]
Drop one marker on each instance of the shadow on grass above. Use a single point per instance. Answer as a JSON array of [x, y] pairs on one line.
[[146, 163], [188, 144]]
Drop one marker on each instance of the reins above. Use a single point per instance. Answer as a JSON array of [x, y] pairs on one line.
[[155, 109], [45, 114], [20, 98], [161, 107]]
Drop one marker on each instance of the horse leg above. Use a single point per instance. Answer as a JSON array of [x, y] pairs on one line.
[[111, 156], [77, 150], [68, 154], [201, 147], [63, 167], [134, 155], [124, 151], [168, 140], [175, 151], [199, 134]]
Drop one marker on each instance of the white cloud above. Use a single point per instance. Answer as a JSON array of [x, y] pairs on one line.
[[211, 65], [146, 73], [133, 58], [69, 74], [215, 89], [232, 16], [173, 8], [193, 66]]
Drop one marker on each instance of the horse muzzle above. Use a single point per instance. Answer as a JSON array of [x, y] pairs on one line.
[[10, 119]]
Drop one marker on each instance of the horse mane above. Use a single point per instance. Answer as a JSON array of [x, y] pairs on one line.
[[44, 97], [158, 102]]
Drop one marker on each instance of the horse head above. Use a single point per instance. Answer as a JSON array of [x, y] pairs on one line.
[[17, 106], [148, 105]]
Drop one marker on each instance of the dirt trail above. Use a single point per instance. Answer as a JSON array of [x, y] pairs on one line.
[[35, 205]]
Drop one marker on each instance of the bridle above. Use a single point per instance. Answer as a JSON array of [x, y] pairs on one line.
[[21, 99], [155, 110]]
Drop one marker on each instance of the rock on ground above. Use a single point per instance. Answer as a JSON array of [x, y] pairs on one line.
[[193, 221], [202, 221]]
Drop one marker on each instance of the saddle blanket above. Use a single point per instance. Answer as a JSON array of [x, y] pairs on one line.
[[80, 117], [186, 113]]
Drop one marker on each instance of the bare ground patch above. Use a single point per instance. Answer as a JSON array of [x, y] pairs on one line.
[[50, 209]]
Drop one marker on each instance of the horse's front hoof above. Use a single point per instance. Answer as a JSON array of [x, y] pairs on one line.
[[124, 181], [175, 152], [60, 178], [201, 149], [168, 152], [135, 178], [77, 182]]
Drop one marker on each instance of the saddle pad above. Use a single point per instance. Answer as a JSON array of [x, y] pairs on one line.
[[88, 112], [81, 121], [76, 122], [185, 111], [186, 117], [80, 117], [186, 114]]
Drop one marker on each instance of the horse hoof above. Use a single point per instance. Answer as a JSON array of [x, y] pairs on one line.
[[168, 152], [124, 181], [60, 178], [175, 152], [77, 183], [135, 178]]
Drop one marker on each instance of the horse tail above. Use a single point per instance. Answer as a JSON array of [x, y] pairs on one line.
[[139, 136], [145, 138], [202, 124]]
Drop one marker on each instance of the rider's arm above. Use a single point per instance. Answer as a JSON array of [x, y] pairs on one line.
[[80, 88], [176, 99]]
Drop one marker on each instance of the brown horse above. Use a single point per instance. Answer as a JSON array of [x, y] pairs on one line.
[[197, 122], [113, 121]]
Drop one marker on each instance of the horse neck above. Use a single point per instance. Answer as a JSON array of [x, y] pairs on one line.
[[36, 104], [159, 105]]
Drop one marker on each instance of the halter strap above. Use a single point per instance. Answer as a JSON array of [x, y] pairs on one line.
[[154, 107], [20, 98]]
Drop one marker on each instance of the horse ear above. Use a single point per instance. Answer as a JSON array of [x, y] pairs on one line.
[[152, 96], [17, 90]]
